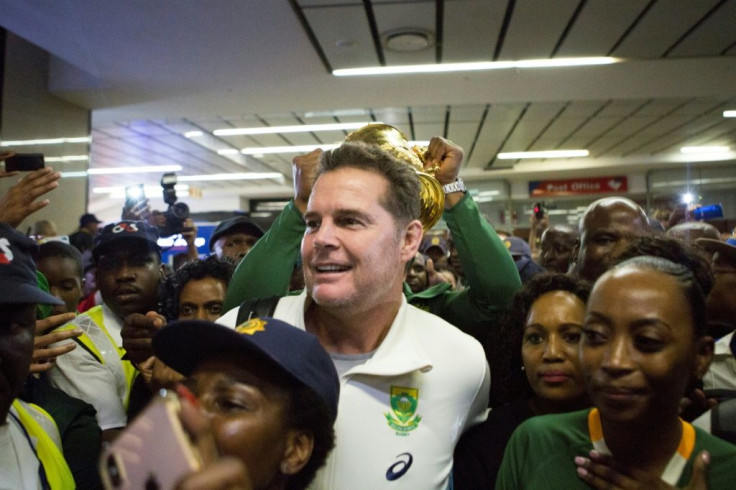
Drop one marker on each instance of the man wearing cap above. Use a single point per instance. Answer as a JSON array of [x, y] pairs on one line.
[[721, 312], [522, 255], [84, 238], [234, 237], [30, 445], [411, 383], [128, 274], [269, 392]]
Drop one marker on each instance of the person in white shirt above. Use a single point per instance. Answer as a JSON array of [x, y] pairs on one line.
[[411, 383]]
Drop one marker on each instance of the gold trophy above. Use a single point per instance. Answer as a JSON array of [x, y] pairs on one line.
[[390, 139]]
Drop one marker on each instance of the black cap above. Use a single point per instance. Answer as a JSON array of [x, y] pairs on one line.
[[18, 271], [126, 230], [234, 225], [298, 354], [87, 219]]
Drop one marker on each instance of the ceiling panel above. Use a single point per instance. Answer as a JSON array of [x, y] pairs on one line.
[[395, 16], [713, 35], [600, 24], [460, 43], [547, 20], [662, 26]]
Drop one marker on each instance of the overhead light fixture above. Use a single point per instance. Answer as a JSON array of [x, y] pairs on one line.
[[193, 134], [68, 158], [264, 150], [519, 155], [729, 113], [694, 150], [228, 151], [134, 170], [476, 66], [69, 175], [284, 149], [299, 128], [234, 176], [118, 192], [48, 141]]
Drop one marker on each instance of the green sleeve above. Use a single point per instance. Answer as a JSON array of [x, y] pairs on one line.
[[490, 272], [509, 473], [266, 270]]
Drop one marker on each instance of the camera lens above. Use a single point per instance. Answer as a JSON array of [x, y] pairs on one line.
[[180, 211]]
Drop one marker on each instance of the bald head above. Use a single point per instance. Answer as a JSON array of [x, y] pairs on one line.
[[607, 227], [690, 231]]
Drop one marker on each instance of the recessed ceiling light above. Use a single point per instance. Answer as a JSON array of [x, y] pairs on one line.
[[47, 141], [134, 170], [193, 134], [476, 66], [690, 150], [285, 149], [68, 158], [299, 128], [233, 176], [729, 113], [518, 155]]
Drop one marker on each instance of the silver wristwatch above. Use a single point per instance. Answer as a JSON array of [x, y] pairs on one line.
[[457, 186]]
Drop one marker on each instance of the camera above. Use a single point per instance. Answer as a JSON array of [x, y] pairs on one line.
[[539, 210], [177, 212]]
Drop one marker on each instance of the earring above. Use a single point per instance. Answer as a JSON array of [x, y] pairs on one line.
[[522, 368], [284, 467]]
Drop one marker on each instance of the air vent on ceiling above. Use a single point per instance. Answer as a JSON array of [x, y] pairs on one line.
[[407, 40]]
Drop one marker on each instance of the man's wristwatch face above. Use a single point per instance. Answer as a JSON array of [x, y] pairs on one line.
[[457, 186]]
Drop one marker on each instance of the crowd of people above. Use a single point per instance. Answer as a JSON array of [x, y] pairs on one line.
[[349, 347]]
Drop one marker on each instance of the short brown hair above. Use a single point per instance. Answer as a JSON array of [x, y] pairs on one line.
[[402, 199]]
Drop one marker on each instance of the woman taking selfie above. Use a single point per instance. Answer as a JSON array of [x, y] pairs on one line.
[[643, 344]]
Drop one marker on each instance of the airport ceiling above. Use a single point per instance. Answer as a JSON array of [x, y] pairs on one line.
[[153, 71]]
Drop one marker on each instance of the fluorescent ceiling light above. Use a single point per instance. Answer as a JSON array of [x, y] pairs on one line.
[[284, 149], [300, 128], [517, 155], [68, 158], [193, 134], [476, 66], [67, 175], [48, 141], [729, 113], [263, 150], [691, 150], [134, 170], [229, 151], [118, 192], [234, 176]]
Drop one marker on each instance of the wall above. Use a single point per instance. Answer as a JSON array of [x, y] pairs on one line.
[[29, 111]]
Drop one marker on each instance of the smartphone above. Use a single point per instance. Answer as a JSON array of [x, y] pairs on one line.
[[154, 451], [134, 194], [25, 162]]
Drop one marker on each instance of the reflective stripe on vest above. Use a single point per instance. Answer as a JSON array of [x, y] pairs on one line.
[[99, 343], [49, 454]]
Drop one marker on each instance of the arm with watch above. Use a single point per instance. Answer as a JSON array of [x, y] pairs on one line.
[[490, 271]]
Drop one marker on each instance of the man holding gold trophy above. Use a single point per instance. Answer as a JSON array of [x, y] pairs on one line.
[[411, 383], [492, 277]]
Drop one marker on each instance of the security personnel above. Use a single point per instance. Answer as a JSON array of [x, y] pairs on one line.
[[129, 271]]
